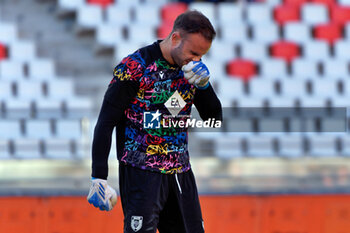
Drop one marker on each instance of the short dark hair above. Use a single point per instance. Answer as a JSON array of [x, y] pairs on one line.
[[195, 22]]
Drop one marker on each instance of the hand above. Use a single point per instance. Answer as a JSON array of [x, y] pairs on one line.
[[197, 73], [102, 195]]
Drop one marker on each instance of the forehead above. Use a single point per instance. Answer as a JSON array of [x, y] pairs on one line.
[[195, 42]]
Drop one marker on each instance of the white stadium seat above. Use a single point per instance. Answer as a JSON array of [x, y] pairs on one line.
[[230, 13], [335, 68], [260, 146], [27, 149], [118, 15], [89, 16], [71, 4], [314, 14], [58, 148], [257, 13], [305, 68], [265, 33], [291, 146], [342, 50], [254, 51], [11, 70], [142, 33], [41, 69], [30, 90], [207, 8], [8, 32], [10, 129], [322, 145], [235, 33], [228, 146], [316, 50], [38, 129], [151, 18], [24, 51], [273, 68], [297, 32], [68, 129], [4, 149], [109, 34]]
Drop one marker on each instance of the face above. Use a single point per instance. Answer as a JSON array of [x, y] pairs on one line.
[[190, 47]]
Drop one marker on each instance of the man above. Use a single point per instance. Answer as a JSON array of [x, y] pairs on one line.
[[157, 186]]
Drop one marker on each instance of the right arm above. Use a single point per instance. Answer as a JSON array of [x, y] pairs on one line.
[[122, 89]]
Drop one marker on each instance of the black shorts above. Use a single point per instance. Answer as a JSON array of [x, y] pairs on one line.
[[154, 201]]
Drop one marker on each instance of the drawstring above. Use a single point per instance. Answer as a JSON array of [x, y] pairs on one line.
[[178, 184]]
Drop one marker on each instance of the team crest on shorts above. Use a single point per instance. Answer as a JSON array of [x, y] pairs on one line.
[[136, 223]]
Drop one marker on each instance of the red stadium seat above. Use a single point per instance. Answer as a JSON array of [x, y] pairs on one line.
[[170, 11], [328, 32], [286, 13], [103, 3], [242, 68], [3, 52], [340, 14], [164, 29], [294, 2], [285, 50], [328, 3]]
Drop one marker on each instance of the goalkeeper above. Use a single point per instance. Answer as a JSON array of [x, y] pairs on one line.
[[156, 183]]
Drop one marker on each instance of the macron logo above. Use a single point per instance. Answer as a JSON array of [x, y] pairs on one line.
[[151, 120]]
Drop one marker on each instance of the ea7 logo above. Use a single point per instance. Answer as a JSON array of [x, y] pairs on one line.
[[136, 223], [151, 120]]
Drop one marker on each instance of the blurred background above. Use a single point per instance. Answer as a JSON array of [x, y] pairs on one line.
[[265, 171]]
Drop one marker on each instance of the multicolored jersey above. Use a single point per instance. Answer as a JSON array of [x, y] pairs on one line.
[[144, 100]]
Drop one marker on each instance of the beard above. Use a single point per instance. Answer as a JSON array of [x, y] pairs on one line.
[[176, 55]]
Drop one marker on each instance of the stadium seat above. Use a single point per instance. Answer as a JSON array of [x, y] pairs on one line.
[[340, 14], [207, 8], [244, 69], [316, 50], [235, 33], [328, 32], [305, 68], [297, 32], [265, 33], [273, 68], [8, 32], [282, 101], [18, 108], [123, 49], [286, 13], [291, 146], [230, 88], [6, 90], [250, 102], [228, 146], [68, 129], [10, 129], [118, 15], [325, 88], [312, 102], [109, 34], [3, 52], [71, 4], [345, 143], [314, 14], [322, 145], [41, 69], [297, 3], [260, 146], [58, 148], [335, 68], [222, 51], [78, 107], [30, 90], [152, 18], [285, 50], [170, 11], [60, 89], [263, 88], [102, 3], [38, 129], [328, 3], [23, 51], [344, 2], [4, 149], [293, 88], [342, 50], [89, 16], [48, 108], [27, 149], [11, 70], [254, 51], [230, 13], [257, 13], [147, 31], [164, 29]]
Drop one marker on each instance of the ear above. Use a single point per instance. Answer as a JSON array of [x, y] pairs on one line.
[[175, 38]]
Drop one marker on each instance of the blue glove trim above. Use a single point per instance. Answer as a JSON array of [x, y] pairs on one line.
[[203, 88]]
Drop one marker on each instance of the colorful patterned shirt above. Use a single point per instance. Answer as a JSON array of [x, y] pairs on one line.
[[145, 94]]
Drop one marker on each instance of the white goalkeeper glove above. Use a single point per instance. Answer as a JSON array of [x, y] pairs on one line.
[[197, 73], [102, 195]]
